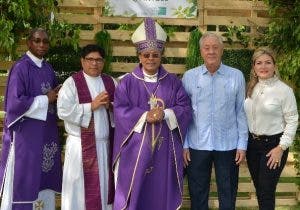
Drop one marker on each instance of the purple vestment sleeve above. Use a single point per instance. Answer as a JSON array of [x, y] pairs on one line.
[[18, 100]]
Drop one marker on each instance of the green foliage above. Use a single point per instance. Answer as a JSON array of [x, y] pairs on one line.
[[284, 36], [18, 16], [6, 38], [108, 10], [237, 32], [240, 59], [186, 12], [65, 60], [193, 58], [63, 34], [103, 39]]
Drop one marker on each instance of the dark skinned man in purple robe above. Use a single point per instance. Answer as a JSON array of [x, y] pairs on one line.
[[30, 167]]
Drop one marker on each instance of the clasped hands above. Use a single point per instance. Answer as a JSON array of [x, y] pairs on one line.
[[102, 99], [155, 115]]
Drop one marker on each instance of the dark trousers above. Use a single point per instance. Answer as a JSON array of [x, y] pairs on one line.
[[265, 180], [199, 174]]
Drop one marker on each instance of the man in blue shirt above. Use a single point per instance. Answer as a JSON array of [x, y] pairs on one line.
[[218, 133]]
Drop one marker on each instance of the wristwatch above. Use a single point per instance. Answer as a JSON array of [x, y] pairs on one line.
[[283, 147]]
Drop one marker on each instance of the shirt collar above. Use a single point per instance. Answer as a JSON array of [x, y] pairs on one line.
[[221, 69], [269, 81], [35, 59]]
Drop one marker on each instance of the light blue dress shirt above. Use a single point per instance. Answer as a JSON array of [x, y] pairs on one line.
[[219, 120]]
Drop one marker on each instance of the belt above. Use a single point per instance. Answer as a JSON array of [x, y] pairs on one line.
[[263, 137]]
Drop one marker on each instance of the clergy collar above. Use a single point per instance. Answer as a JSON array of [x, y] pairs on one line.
[[138, 73], [35, 59], [149, 78], [91, 77]]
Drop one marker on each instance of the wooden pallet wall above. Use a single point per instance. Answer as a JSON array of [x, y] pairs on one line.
[[216, 14], [211, 14]]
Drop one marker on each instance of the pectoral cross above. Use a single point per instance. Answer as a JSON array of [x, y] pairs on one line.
[[152, 101], [155, 102]]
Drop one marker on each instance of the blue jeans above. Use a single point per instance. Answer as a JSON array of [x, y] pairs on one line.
[[199, 175]]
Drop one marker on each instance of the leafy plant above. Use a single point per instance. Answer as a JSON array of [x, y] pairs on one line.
[[186, 12], [193, 58], [284, 36], [103, 39], [238, 33], [18, 16]]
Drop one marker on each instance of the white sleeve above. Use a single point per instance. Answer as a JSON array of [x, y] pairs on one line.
[[140, 124], [171, 119], [39, 108], [68, 107], [290, 114]]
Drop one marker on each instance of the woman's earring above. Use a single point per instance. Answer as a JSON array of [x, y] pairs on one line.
[[255, 75]]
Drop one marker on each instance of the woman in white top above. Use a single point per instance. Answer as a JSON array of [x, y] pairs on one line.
[[273, 119]]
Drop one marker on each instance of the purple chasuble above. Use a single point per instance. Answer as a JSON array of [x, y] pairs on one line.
[[88, 142], [37, 148], [150, 172]]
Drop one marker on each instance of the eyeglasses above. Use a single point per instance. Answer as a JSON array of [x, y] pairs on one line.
[[92, 60], [38, 40], [153, 55]]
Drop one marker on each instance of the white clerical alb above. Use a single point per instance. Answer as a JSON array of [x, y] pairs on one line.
[[272, 109], [77, 115]]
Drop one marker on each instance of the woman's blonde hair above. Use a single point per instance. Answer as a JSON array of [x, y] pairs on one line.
[[253, 77]]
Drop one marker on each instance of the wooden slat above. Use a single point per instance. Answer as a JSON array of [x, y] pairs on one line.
[[128, 67], [81, 3], [6, 65], [226, 20], [77, 18], [76, 10], [228, 4], [228, 12], [131, 51], [126, 35], [135, 20]]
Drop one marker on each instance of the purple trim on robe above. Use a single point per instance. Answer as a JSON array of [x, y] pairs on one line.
[[149, 180], [36, 142]]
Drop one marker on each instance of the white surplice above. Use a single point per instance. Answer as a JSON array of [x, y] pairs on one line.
[[76, 115]]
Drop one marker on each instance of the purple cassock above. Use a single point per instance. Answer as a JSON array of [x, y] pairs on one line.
[[150, 174], [37, 149]]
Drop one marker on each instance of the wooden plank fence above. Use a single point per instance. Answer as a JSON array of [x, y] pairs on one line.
[[212, 15]]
